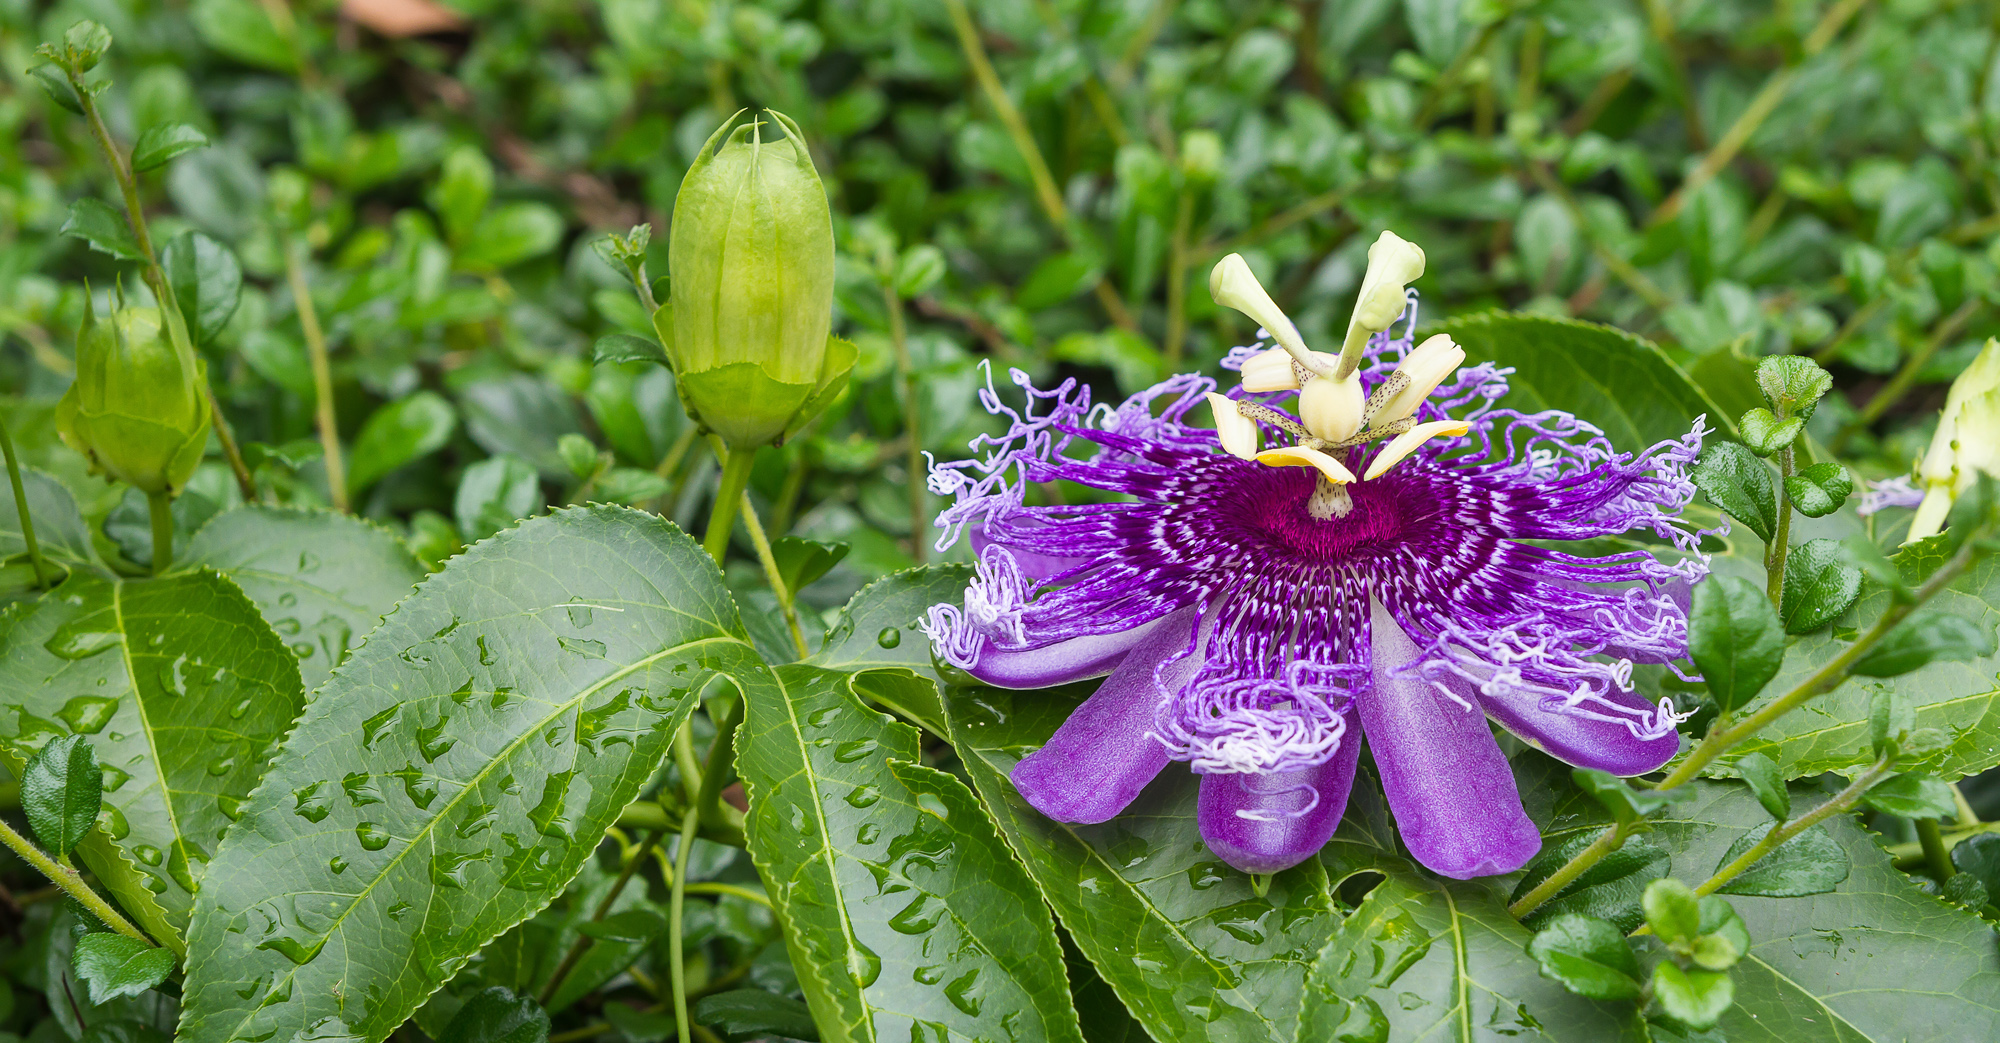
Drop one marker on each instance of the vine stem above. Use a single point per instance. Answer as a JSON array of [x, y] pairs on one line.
[[161, 507], [583, 943], [1936, 858], [325, 416], [71, 882], [21, 506], [912, 423], [736, 465], [1781, 538], [786, 596], [1724, 737], [676, 962], [713, 888]]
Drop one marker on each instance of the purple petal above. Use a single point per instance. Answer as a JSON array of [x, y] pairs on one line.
[[1262, 823], [1103, 755], [1448, 784], [1076, 659], [1035, 565], [1573, 737]]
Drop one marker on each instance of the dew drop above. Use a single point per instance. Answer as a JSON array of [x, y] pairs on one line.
[[822, 718], [580, 615], [863, 965], [372, 836], [927, 975], [486, 656], [153, 883], [1206, 875], [854, 750], [398, 911], [864, 796], [231, 807], [935, 805], [302, 649], [308, 561], [919, 917], [579, 646], [173, 676], [287, 626], [288, 599], [890, 637], [431, 741], [965, 994], [88, 714], [300, 953], [221, 766], [157, 639], [112, 822], [81, 639], [371, 729], [547, 815], [148, 854], [242, 707], [868, 833], [360, 788], [114, 778]]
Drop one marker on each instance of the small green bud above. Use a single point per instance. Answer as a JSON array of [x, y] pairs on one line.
[[751, 253], [139, 406], [1201, 156]]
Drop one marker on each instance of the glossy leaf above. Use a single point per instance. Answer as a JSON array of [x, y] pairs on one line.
[[498, 1015], [1912, 796], [1761, 774], [1734, 639], [1927, 636], [1808, 864], [625, 347], [61, 792], [1696, 998], [112, 966], [1765, 434], [1625, 802], [1590, 957], [1819, 586], [206, 279], [510, 234], [59, 528], [904, 914], [1793, 383], [1672, 909], [1609, 890], [322, 580], [453, 776], [1735, 481], [105, 229], [493, 493], [1979, 857], [801, 561], [160, 144], [877, 639], [1819, 490], [748, 1014], [184, 719], [400, 431]]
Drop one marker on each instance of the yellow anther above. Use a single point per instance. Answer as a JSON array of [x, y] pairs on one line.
[[1407, 442], [1238, 433], [1300, 456]]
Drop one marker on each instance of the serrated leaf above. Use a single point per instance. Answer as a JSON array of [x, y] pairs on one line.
[[57, 87], [322, 580], [464, 762], [1697, 998], [1979, 857], [1960, 700], [112, 966], [1609, 890], [614, 348], [1925, 637], [1808, 864], [498, 1015], [1819, 490], [899, 902], [1761, 774], [747, 1014], [160, 144], [207, 282], [1590, 957], [184, 718], [1819, 586], [1795, 382], [1734, 639], [1765, 434], [399, 432], [105, 229], [61, 792], [1912, 796], [877, 639], [1735, 481]]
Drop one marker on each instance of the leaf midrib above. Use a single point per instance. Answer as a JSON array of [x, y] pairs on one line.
[[470, 785], [146, 725]]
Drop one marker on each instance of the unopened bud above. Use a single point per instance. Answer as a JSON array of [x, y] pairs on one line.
[[139, 406], [751, 253]]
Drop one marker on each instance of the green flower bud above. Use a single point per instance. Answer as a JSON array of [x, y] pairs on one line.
[[139, 406], [751, 253]]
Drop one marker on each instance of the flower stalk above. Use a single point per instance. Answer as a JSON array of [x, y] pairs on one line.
[[21, 507], [787, 598], [736, 464], [324, 414], [71, 883]]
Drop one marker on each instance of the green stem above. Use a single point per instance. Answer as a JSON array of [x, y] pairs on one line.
[[1610, 840], [583, 943], [326, 418], [161, 507], [684, 759], [736, 465], [1840, 802], [676, 962], [1781, 540], [912, 421], [1936, 858], [786, 596], [21, 506], [71, 882], [739, 891], [715, 774]]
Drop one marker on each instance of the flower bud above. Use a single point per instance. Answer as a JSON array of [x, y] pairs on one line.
[[1958, 448], [751, 253], [1331, 409], [1237, 433], [139, 406], [1393, 263], [1234, 285], [1426, 367]]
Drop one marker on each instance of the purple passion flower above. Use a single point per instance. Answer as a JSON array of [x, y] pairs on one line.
[[1259, 613]]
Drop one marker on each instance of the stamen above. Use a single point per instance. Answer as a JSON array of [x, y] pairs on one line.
[[1237, 433], [1422, 371], [1301, 456], [1407, 442]]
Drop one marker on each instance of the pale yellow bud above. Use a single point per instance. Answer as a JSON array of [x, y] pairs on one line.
[[1393, 264], [1967, 440]]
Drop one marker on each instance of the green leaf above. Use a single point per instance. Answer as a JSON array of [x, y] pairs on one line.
[[403, 430], [747, 1014], [629, 485], [160, 144], [1927, 636], [242, 29], [183, 690], [1734, 480], [1761, 774], [1734, 639], [1819, 586], [1696, 999], [1590, 957], [617, 941], [801, 561], [1672, 909], [921, 267], [464, 187], [1059, 278], [61, 792], [899, 902], [207, 282], [1609, 890], [95, 222], [322, 580], [1979, 857], [1793, 384], [1724, 937], [497, 1015], [1912, 796], [877, 639], [59, 528], [1625, 803], [1624, 384], [1765, 434], [510, 234], [57, 87], [1808, 864], [494, 493], [626, 347], [456, 772], [1819, 490], [1960, 700], [578, 453], [112, 966]]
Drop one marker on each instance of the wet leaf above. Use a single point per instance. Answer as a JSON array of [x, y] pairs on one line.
[[1590, 957], [1734, 639], [747, 1014], [61, 792], [112, 966], [1819, 586], [1735, 481], [498, 1015], [1808, 864]]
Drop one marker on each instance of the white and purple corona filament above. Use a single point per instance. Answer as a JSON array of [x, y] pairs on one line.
[[1390, 575]]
